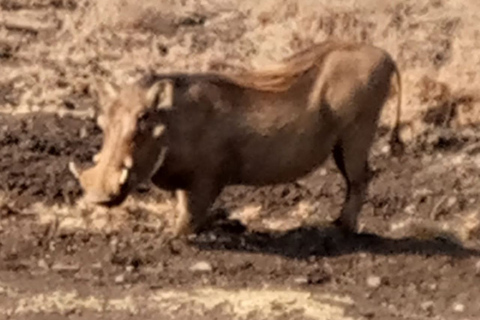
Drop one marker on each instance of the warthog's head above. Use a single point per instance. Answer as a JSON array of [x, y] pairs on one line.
[[134, 141]]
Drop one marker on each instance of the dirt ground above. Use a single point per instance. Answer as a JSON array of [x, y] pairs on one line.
[[274, 255]]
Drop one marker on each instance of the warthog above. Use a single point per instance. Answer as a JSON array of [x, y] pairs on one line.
[[197, 133]]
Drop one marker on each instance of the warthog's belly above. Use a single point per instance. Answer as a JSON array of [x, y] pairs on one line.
[[284, 157]]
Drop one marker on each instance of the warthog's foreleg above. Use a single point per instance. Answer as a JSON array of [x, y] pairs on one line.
[[192, 207]]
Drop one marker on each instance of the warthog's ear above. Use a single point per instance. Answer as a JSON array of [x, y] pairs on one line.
[[160, 94]]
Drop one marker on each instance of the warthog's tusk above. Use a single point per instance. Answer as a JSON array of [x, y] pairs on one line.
[[73, 169], [158, 130], [159, 161], [123, 176], [128, 162]]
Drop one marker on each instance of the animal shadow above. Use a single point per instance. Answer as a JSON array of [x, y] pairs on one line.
[[305, 242]]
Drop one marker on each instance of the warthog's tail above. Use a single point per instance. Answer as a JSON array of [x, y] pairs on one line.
[[397, 147]]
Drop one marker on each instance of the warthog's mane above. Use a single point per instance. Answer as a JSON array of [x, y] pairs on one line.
[[282, 75], [277, 77]]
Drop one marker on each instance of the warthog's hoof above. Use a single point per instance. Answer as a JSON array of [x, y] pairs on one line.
[[187, 229]]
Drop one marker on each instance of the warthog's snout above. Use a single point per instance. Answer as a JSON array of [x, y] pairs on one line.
[[102, 186]]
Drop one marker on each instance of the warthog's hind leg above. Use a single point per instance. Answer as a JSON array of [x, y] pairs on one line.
[[351, 157]]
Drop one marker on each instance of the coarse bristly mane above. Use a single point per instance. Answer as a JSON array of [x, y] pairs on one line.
[[280, 76]]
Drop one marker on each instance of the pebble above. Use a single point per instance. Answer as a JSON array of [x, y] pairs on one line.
[[457, 160], [410, 209], [97, 265], [458, 307], [412, 287], [374, 281], [83, 133], [65, 267], [42, 264], [301, 280], [427, 305], [451, 201], [477, 267], [114, 243], [120, 279], [201, 266]]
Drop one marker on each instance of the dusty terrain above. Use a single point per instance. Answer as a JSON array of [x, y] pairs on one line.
[[274, 254]]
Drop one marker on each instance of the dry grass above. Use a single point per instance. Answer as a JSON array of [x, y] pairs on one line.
[[234, 304], [65, 219]]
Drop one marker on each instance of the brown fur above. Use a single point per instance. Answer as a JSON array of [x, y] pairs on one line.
[[276, 125]]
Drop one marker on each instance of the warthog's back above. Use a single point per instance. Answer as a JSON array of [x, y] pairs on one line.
[[261, 136]]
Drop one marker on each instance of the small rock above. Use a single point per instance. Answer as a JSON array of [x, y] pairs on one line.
[[60, 267], [175, 246], [374, 281], [212, 237], [451, 201], [83, 133], [42, 264], [477, 267], [427, 305], [192, 237], [385, 149], [120, 279], [201, 266], [410, 209], [114, 243], [458, 160], [301, 280], [97, 265], [458, 307], [412, 287], [318, 277], [129, 269]]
